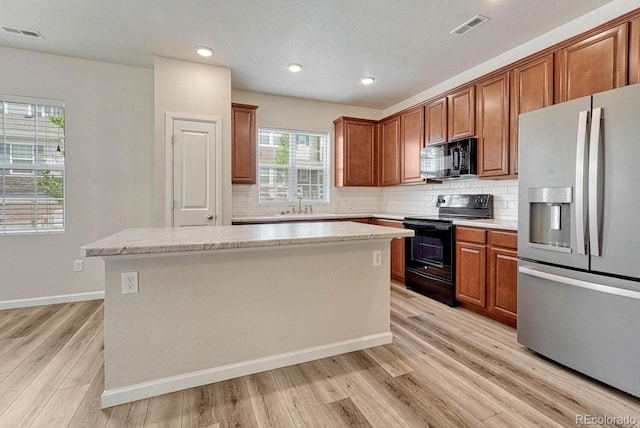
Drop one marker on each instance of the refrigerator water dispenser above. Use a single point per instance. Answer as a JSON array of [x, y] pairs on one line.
[[550, 218]]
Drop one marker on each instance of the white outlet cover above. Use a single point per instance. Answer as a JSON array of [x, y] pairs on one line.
[[377, 258], [77, 266], [129, 282]]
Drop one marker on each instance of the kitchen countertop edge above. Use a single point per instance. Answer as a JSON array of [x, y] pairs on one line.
[[204, 238]]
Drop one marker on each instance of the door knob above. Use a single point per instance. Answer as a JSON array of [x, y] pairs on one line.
[[210, 217]]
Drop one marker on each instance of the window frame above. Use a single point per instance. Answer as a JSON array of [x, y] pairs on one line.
[[41, 209], [293, 169]]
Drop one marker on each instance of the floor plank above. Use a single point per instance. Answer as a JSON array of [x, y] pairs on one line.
[[165, 411], [198, 407], [21, 377], [25, 408], [267, 402], [322, 383], [304, 407], [446, 367], [61, 408], [131, 415], [344, 413], [233, 406], [364, 396], [90, 413]]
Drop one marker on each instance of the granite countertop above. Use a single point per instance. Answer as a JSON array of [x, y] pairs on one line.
[[281, 218], [494, 223], [205, 238]]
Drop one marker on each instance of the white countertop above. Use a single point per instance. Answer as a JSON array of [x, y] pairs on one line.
[[494, 223], [204, 238], [281, 218]]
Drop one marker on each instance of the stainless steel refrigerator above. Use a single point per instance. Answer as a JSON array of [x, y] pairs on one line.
[[579, 235]]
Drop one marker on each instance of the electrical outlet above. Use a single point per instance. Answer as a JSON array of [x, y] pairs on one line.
[[377, 258], [77, 265], [129, 282]]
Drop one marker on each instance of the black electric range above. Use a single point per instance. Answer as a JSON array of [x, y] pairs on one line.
[[430, 254]]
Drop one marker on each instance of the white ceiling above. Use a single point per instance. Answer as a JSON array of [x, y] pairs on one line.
[[405, 44]]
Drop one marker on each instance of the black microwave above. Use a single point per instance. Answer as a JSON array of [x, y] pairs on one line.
[[457, 159]]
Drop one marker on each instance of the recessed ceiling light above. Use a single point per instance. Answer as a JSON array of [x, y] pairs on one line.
[[368, 80], [294, 68], [204, 51]]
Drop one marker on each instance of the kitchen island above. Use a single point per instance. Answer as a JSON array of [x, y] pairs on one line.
[[214, 303]]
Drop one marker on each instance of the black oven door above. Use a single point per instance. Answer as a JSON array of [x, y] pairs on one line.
[[429, 266]]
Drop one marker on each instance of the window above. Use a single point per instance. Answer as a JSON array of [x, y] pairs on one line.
[[31, 165], [293, 163]]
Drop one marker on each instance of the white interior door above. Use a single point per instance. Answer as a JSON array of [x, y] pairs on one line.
[[195, 172]]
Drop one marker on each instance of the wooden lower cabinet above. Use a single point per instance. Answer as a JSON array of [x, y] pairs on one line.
[[397, 250], [487, 272]]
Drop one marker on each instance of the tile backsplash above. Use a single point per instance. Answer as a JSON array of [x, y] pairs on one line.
[[406, 199], [412, 199]]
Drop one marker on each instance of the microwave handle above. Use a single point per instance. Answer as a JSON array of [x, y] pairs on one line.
[[455, 152]]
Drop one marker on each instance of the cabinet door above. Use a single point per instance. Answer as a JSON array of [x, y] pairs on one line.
[[595, 64], [412, 140], [493, 126], [390, 151], [436, 122], [634, 51], [471, 260], [461, 114], [243, 144], [503, 282], [531, 89], [397, 250], [355, 151]]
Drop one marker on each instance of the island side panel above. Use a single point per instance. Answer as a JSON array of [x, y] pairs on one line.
[[203, 311]]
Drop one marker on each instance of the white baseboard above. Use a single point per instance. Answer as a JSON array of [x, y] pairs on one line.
[[114, 397], [51, 300]]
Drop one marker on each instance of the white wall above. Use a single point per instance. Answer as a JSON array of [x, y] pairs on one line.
[[199, 89], [307, 115], [109, 168]]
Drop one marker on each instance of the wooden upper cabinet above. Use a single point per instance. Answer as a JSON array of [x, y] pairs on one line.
[[390, 151], [461, 114], [356, 152], [436, 123], [531, 89], [634, 51], [595, 64], [493, 126], [243, 144], [412, 140]]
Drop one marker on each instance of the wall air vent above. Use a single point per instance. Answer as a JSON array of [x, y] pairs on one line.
[[469, 25], [21, 32]]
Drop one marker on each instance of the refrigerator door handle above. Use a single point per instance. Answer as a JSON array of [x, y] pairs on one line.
[[580, 283], [595, 182], [581, 169]]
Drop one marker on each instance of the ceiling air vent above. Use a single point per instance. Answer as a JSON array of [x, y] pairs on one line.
[[469, 25], [21, 32]]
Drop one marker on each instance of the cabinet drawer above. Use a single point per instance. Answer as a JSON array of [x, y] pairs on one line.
[[503, 239], [468, 234]]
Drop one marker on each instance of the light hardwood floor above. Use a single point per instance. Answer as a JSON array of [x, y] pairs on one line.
[[446, 368]]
